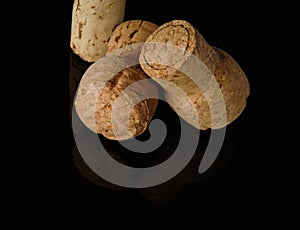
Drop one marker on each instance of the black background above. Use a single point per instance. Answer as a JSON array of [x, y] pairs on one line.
[[263, 41]]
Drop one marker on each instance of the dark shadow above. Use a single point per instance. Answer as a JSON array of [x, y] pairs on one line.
[[167, 191]]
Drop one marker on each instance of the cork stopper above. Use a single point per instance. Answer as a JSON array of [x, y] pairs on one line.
[[96, 97], [93, 22], [220, 79]]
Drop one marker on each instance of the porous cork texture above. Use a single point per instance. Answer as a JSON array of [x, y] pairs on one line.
[[93, 22], [94, 106], [130, 32], [140, 114], [228, 75]]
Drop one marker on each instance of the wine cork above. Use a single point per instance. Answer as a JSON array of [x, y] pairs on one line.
[[218, 73], [95, 107], [93, 22]]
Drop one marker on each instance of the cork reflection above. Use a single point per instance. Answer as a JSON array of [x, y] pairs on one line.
[[167, 191]]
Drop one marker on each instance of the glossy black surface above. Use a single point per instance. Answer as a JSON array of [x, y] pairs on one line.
[[261, 144], [164, 113]]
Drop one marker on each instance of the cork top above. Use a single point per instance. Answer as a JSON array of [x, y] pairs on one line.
[[173, 40]]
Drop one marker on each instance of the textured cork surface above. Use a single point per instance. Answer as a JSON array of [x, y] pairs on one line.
[[140, 114], [233, 83], [96, 96], [189, 41], [93, 22], [220, 73], [130, 32]]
